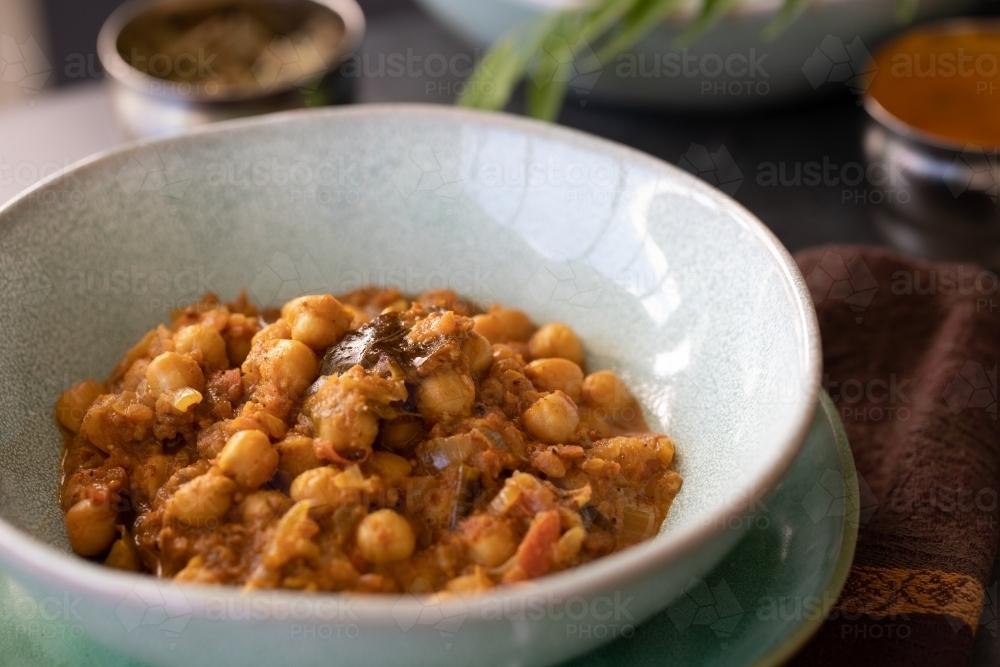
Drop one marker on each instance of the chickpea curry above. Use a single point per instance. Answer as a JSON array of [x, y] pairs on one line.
[[364, 443]]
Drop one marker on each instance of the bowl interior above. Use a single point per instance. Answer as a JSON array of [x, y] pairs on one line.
[[667, 281]]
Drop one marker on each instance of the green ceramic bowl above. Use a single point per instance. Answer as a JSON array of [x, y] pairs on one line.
[[668, 281]]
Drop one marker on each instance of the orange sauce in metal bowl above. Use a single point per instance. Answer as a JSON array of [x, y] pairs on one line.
[[943, 82]]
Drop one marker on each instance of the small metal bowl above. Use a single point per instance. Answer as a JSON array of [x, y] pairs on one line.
[[933, 197], [159, 90]]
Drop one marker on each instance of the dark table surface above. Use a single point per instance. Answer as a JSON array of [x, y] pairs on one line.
[[826, 131]]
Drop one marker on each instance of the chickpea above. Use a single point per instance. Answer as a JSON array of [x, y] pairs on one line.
[[502, 351], [279, 330], [74, 402], [516, 324], [296, 454], [434, 326], [469, 583], [604, 389], [348, 430], [553, 418], [490, 327], [318, 486], [396, 434], [240, 331], [288, 365], [123, 556], [490, 540], [256, 417], [479, 351], [249, 459], [503, 324], [318, 321], [445, 393], [556, 374], [171, 371], [385, 537], [202, 500], [548, 462], [261, 506], [556, 340], [204, 341], [570, 543], [344, 410], [91, 527], [390, 467]]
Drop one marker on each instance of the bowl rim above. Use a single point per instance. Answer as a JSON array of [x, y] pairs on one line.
[[117, 69], [28, 557]]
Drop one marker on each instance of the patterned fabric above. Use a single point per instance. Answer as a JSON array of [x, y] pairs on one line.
[[910, 351]]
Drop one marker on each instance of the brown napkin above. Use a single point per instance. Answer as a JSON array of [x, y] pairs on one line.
[[910, 353]]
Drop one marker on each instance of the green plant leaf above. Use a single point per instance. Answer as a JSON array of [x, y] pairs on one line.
[[546, 90], [711, 12], [547, 84], [498, 73], [786, 15], [907, 10], [645, 16]]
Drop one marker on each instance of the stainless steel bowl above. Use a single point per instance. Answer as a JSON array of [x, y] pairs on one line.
[[935, 198], [289, 72]]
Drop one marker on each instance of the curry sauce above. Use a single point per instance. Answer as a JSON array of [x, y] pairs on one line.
[[368, 443], [944, 83]]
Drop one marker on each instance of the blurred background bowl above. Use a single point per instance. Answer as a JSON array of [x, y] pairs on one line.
[[732, 66], [939, 197], [176, 64]]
